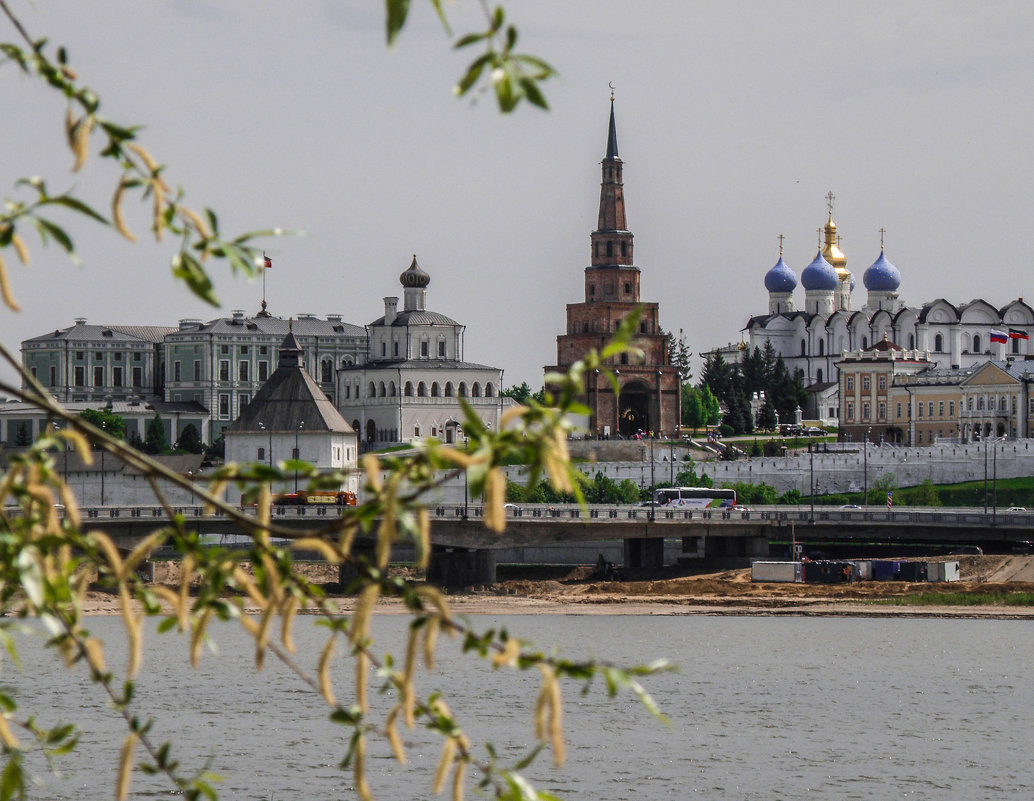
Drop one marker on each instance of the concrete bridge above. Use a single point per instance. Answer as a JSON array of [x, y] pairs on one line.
[[466, 553]]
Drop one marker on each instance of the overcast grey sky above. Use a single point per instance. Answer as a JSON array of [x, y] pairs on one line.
[[734, 120]]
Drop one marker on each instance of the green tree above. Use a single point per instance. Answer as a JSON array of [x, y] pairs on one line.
[[766, 416], [106, 421], [155, 440], [790, 497], [190, 440], [680, 356], [880, 487], [924, 495]]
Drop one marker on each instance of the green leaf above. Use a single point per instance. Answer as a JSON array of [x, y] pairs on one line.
[[77, 205], [397, 11], [12, 781], [531, 91], [469, 39], [190, 271], [48, 230]]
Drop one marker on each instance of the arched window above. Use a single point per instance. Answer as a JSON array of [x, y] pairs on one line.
[[624, 252], [642, 327], [818, 375], [356, 427], [326, 371], [822, 348], [489, 390], [391, 389], [628, 286], [804, 347], [448, 389], [938, 343], [1015, 346], [435, 391], [865, 342], [991, 403], [475, 390], [463, 389], [380, 389], [346, 362], [911, 341], [980, 403], [610, 248], [373, 391], [261, 454], [416, 430], [585, 328], [976, 343], [409, 389], [421, 390]]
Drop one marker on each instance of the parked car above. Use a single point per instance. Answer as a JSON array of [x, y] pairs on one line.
[[850, 506], [814, 431], [1017, 509], [739, 509]]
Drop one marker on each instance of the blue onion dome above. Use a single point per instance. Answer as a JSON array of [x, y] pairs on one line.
[[414, 276], [853, 282], [819, 275], [882, 276], [780, 278]]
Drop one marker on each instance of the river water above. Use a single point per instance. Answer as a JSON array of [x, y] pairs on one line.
[[761, 708]]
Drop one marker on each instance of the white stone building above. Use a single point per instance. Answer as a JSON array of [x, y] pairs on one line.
[[290, 417], [414, 377]]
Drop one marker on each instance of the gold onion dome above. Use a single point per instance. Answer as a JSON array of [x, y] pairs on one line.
[[832, 253]]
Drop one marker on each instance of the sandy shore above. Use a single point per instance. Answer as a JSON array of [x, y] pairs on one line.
[[724, 593]]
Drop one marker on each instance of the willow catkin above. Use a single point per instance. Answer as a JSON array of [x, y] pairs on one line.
[[19, 247], [323, 671], [262, 637], [458, 775], [495, 496], [391, 731], [117, 217], [81, 143], [132, 623], [125, 766], [362, 665], [440, 775], [197, 637], [423, 538], [5, 289], [288, 612], [359, 769], [6, 735]]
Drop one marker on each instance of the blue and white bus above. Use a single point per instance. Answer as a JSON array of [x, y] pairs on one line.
[[695, 497]]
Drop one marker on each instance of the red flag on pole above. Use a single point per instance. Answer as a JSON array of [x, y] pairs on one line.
[[269, 261]]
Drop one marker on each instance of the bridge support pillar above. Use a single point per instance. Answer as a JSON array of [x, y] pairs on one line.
[[644, 552], [453, 568]]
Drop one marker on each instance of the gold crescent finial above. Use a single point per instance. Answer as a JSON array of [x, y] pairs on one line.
[[611, 85]]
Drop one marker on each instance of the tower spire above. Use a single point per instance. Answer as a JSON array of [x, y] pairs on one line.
[[612, 134]]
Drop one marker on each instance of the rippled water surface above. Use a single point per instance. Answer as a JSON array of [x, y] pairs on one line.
[[766, 708]]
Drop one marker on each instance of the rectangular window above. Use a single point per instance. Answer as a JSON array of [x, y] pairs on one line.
[[919, 408], [850, 382], [898, 410], [850, 412], [882, 382], [931, 408], [263, 350], [138, 377], [263, 371], [243, 400], [866, 411], [137, 357], [53, 375], [951, 408], [242, 371], [384, 349], [423, 348], [224, 370], [80, 375], [118, 356], [940, 408], [197, 369], [244, 350], [1014, 397], [98, 376], [395, 349], [348, 391], [866, 383], [224, 349], [441, 348], [224, 406], [883, 410], [79, 355], [177, 371], [98, 356], [116, 376]]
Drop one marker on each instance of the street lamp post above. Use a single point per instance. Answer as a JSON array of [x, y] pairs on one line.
[[865, 468], [270, 453], [104, 428], [811, 474], [994, 479], [466, 494], [653, 481], [297, 453]]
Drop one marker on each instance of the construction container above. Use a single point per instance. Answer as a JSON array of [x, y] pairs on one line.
[[863, 569], [912, 571], [942, 571], [785, 572], [829, 572], [885, 569]]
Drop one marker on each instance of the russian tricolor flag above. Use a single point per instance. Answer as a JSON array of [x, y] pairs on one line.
[[999, 336]]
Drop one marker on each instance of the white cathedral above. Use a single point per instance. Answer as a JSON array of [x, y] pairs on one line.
[[814, 338]]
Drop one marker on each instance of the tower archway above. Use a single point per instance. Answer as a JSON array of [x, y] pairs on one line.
[[634, 409]]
